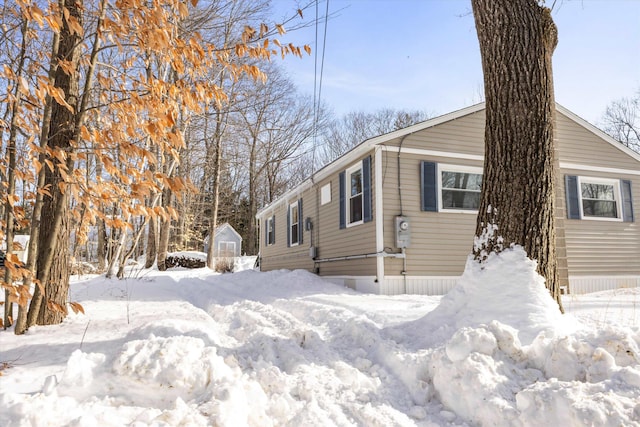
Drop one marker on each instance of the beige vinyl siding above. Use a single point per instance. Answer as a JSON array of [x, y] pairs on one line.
[[596, 247], [578, 145], [356, 240], [279, 256], [464, 135], [328, 238], [440, 241]]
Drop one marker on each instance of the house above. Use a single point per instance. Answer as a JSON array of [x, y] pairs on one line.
[[227, 241], [397, 213]]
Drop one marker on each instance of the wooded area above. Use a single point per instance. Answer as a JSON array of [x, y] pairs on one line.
[[133, 128]]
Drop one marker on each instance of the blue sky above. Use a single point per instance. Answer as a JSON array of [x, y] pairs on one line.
[[423, 54]]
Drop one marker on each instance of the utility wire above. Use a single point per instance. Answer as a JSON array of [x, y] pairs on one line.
[[317, 80]]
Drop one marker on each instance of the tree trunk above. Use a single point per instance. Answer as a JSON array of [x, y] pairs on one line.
[[165, 228], [101, 249], [517, 39], [11, 176], [32, 252], [151, 243], [53, 239], [217, 166]]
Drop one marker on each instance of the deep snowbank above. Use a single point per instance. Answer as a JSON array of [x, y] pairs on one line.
[[193, 348]]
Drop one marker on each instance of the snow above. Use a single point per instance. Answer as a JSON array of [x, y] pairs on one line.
[[196, 348]]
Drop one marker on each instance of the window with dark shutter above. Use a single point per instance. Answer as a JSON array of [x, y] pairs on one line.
[[429, 184], [294, 224]]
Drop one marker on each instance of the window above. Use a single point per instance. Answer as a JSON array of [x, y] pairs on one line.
[[598, 199], [354, 195], [226, 249], [325, 194], [460, 189], [294, 224], [271, 230], [450, 188], [603, 199]]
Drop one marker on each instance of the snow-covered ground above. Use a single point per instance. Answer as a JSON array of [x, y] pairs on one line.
[[195, 348]]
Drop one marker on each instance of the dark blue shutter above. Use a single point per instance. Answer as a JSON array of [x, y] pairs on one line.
[[273, 230], [627, 200], [343, 222], [300, 230], [366, 189], [573, 202], [429, 181], [266, 231], [288, 226]]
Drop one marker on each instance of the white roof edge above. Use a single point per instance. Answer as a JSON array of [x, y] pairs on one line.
[[225, 225], [365, 146], [596, 131]]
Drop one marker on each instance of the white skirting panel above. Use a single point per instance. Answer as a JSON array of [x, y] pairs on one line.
[[420, 285], [587, 284], [364, 284], [440, 285]]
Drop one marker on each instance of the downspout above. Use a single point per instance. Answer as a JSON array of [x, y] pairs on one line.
[[404, 258]]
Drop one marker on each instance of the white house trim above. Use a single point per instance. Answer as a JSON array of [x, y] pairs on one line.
[[433, 153], [617, 171]]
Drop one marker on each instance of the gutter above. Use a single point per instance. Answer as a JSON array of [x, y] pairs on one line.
[[383, 254]]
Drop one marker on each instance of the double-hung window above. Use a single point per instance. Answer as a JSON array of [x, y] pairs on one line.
[[599, 198], [354, 195], [271, 230], [294, 224], [460, 188], [604, 199]]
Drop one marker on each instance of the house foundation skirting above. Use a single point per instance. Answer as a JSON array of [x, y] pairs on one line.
[[364, 284], [588, 284], [440, 285]]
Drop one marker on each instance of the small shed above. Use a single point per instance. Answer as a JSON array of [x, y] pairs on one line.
[[227, 241], [20, 246]]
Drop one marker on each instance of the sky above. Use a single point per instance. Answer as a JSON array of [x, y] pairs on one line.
[[424, 54], [286, 348]]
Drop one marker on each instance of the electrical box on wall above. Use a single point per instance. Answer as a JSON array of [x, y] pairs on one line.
[[403, 232]]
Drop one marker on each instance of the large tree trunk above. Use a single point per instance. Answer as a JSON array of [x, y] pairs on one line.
[[517, 39], [53, 245]]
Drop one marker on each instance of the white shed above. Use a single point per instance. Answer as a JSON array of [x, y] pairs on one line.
[[227, 241]]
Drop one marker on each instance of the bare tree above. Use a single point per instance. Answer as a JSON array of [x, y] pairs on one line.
[[622, 121], [355, 127], [517, 39]]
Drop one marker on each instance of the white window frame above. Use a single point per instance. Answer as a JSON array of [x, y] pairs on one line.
[[226, 242], [460, 169], [293, 207], [617, 196], [270, 236], [347, 204], [325, 194]]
